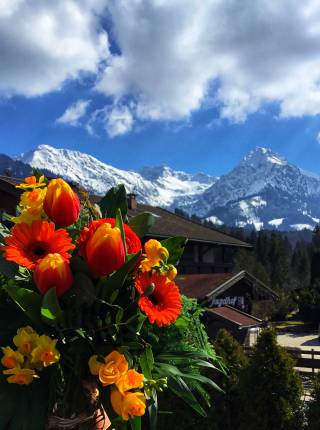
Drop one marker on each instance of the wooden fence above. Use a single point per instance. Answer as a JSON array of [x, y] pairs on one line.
[[307, 360]]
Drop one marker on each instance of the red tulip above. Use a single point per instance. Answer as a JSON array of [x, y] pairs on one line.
[[105, 250], [53, 271], [61, 203]]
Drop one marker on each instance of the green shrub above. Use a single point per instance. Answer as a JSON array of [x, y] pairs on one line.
[[313, 408], [271, 389]]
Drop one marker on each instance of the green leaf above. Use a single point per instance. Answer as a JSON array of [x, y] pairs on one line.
[[31, 401], [116, 198], [82, 291], [109, 284], [153, 410], [175, 246], [119, 316], [142, 223], [8, 268], [146, 362], [135, 423], [37, 173], [119, 224], [181, 389], [27, 300], [182, 322], [4, 232], [168, 369], [51, 312]]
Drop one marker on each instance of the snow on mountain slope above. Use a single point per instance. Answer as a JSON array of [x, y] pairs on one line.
[[263, 191], [263, 188], [158, 186]]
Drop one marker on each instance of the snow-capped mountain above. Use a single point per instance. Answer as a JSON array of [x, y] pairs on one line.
[[264, 191], [159, 186], [11, 167]]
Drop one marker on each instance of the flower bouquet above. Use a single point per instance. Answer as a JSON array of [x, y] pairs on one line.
[[85, 312]]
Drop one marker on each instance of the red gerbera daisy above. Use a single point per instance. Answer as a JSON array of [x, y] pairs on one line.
[[163, 305], [132, 241], [28, 244]]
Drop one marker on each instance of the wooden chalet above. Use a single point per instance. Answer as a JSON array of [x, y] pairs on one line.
[[236, 301]]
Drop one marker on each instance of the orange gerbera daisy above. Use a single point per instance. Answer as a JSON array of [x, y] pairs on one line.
[[163, 305], [28, 244]]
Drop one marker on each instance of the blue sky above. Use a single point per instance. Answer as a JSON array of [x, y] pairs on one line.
[[149, 82]]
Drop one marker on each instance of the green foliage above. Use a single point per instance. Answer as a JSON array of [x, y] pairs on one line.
[[116, 198], [142, 223], [180, 352], [270, 389], [284, 305], [24, 407], [226, 411], [247, 260], [175, 246], [308, 301], [27, 300], [51, 312], [313, 406]]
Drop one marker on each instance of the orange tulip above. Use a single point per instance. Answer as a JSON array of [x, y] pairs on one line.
[[53, 271], [104, 250], [61, 203]]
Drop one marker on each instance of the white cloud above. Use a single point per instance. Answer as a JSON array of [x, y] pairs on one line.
[[44, 43], [173, 52], [174, 55], [118, 121], [318, 137], [74, 113]]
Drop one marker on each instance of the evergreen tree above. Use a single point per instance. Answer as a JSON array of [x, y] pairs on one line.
[[313, 409], [226, 406], [271, 389], [247, 260], [301, 267]]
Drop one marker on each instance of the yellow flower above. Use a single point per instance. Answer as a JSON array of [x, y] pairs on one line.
[[115, 366], [172, 272], [154, 254], [31, 182], [94, 365], [131, 380], [33, 198], [11, 358], [128, 405], [25, 339], [45, 353], [155, 251], [31, 206], [20, 376]]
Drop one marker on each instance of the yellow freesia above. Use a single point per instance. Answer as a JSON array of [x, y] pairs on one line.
[[25, 339], [45, 352], [11, 358], [154, 254], [31, 182], [20, 376]]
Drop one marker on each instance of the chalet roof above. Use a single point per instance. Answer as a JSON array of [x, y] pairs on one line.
[[205, 286], [235, 317], [8, 184], [170, 224], [167, 223]]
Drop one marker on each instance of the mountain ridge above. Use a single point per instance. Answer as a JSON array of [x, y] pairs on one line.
[[264, 190]]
